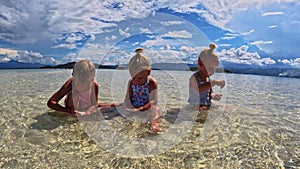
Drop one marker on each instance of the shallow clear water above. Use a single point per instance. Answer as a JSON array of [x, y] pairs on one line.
[[256, 125]]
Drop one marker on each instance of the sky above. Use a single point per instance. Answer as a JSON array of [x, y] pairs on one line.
[[254, 33]]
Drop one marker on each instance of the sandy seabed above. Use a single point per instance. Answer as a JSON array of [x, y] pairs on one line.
[[241, 133]]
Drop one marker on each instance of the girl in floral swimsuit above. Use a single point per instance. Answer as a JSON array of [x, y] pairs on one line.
[[142, 90]]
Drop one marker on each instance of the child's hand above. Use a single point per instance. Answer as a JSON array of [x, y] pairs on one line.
[[79, 113], [91, 109], [132, 110], [216, 96], [71, 111], [115, 104], [220, 83]]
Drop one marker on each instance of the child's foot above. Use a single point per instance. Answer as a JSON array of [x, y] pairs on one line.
[[155, 126]]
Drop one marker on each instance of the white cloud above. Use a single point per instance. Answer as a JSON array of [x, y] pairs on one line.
[[92, 38], [125, 32], [178, 34], [292, 62], [70, 41], [114, 55], [247, 33], [160, 42], [171, 23], [225, 45], [241, 55], [65, 45], [284, 61], [73, 38], [4, 59], [273, 26], [242, 16], [136, 43], [186, 49], [7, 51], [167, 55], [228, 38], [111, 38], [222, 12], [145, 30], [232, 34], [98, 53], [272, 13], [23, 22], [260, 42], [26, 57]]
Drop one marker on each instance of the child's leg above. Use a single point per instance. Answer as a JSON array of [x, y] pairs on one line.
[[156, 112], [203, 107], [155, 120]]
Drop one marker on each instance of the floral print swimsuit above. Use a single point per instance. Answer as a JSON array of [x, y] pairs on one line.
[[140, 94]]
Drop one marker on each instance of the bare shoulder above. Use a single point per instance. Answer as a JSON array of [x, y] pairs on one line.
[[152, 80], [194, 75], [68, 83], [65, 88], [129, 82], [194, 79], [153, 83], [96, 83]]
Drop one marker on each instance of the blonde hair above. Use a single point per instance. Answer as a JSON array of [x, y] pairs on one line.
[[139, 61], [84, 70], [209, 54]]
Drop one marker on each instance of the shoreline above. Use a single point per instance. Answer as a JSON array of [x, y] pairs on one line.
[[274, 72]]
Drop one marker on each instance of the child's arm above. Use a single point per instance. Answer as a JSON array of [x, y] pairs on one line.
[[108, 104], [53, 102], [220, 83], [127, 101], [153, 91], [96, 93]]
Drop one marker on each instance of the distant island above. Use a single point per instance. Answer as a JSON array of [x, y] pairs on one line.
[[239, 69], [70, 65], [264, 71], [155, 66]]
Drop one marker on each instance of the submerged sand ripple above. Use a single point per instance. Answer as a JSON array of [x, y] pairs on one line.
[[246, 134]]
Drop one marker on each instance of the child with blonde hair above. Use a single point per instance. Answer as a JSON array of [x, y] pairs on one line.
[[81, 91], [200, 84], [142, 89]]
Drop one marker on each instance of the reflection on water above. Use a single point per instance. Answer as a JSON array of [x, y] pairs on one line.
[[259, 128]]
